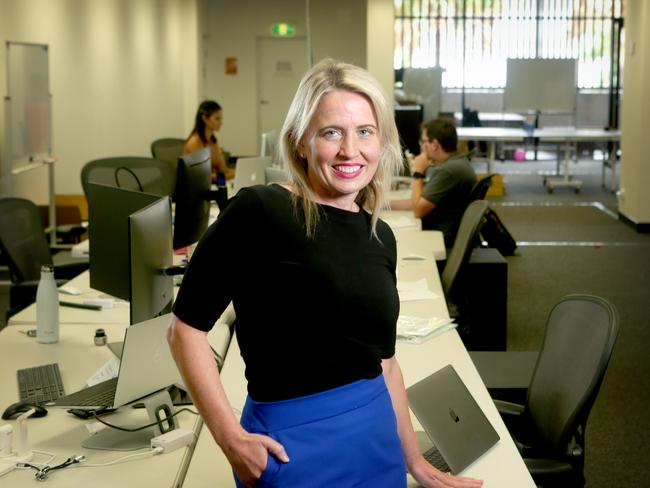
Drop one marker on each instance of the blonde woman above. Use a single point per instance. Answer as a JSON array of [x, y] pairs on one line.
[[316, 304]]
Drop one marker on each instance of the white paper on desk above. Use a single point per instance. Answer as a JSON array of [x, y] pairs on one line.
[[414, 290], [106, 372], [416, 330], [400, 222]]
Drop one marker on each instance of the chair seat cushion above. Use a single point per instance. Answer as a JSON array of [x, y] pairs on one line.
[[544, 467]]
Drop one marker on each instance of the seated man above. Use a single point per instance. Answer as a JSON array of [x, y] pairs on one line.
[[442, 181]]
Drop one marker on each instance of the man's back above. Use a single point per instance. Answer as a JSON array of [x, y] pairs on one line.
[[448, 188]]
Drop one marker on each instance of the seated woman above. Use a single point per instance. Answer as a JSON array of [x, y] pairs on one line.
[[208, 120]]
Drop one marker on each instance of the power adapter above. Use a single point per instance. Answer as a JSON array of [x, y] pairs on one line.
[[172, 440]]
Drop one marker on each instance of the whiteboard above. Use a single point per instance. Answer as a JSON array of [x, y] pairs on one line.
[[27, 104], [425, 86], [545, 85]]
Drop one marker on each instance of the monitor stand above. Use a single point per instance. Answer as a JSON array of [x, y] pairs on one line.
[[159, 409]]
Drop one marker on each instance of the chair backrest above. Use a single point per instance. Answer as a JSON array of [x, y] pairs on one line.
[[481, 188], [463, 245], [167, 149], [275, 175], [578, 343], [22, 239], [134, 173]]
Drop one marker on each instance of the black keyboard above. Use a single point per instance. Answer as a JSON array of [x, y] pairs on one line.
[[435, 459], [40, 384]]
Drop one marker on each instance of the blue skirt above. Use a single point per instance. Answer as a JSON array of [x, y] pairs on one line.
[[344, 437]]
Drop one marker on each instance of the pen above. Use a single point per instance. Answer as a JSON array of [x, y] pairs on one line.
[[80, 305]]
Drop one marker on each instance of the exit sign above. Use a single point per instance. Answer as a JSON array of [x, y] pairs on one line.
[[283, 29]]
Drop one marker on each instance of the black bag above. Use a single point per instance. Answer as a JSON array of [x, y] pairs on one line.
[[496, 235]]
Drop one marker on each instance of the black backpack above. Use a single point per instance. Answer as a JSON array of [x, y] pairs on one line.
[[496, 235]]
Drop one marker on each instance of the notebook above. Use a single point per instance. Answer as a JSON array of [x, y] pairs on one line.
[[146, 367], [451, 418], [249, 172]]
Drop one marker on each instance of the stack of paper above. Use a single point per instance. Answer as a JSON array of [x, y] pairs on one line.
[[416, 330], [414, 290]]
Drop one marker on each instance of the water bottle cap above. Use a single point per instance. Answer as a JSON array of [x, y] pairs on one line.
[[47, 268]]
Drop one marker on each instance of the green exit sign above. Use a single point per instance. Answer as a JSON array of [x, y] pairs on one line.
[[283, 29]]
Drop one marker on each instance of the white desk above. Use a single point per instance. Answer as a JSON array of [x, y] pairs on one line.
[[60, 433], [567, 136], [119, 314], [500, 467]]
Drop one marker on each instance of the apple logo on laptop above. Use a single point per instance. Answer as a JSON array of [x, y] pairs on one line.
[[453, 415]]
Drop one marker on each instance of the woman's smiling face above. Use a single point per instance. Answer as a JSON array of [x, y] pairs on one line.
[[342, 148]]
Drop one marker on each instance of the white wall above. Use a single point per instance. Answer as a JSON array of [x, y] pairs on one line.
[[634, 202], [122, 73], [381, 43], [337, 29]]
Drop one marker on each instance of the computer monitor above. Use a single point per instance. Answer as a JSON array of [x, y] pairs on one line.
[[150, 244], [192, 197], [109, 208], [268, 146]]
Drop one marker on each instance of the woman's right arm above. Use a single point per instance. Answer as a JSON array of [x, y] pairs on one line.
[[247, 453]]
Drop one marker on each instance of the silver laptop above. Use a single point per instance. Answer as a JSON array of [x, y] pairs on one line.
[[452, 420], [146, 367], [249, 172]]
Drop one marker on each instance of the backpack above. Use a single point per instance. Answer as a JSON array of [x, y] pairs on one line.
[[496, 235]]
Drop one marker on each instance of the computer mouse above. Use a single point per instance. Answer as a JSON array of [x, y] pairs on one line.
[[15, 409]]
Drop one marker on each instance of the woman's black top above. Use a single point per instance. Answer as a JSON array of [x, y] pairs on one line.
[[312, 313]]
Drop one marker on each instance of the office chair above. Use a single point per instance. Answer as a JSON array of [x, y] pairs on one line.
[[465, 242], [24, 245], [168, 149], [463, 245], [481, 188], [275, 175], [134, 173], [549, 429]]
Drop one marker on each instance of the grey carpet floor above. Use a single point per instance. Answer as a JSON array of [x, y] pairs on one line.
[[576, 247]]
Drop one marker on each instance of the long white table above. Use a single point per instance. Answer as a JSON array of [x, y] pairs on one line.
[[567, 136], [62, 434], [500, 467], [117, 314]]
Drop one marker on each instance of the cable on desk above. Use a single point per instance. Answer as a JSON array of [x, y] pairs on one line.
[[135, 429], [149, 452]]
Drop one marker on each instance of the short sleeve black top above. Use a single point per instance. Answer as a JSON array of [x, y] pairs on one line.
[[312, 314]]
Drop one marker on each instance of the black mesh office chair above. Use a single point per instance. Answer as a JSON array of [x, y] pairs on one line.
[[479, 192], [135, 173], [24, 246], [168, 149], [549, 429]]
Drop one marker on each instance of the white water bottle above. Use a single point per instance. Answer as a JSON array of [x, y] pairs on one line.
[[47, 307]]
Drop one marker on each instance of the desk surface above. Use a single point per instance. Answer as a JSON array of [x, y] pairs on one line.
[[500, 467], [119, 314], [547, 133], [60, 433]]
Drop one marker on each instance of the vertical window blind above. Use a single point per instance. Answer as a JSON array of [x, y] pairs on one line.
[[472, 39]]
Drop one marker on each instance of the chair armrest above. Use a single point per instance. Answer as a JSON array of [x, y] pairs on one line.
[[512, 415], [508, 408]]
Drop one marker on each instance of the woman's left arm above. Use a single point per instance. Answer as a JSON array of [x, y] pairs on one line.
[[420, 469]]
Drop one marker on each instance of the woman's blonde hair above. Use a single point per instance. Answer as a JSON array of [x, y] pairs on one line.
[[327, 76]]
